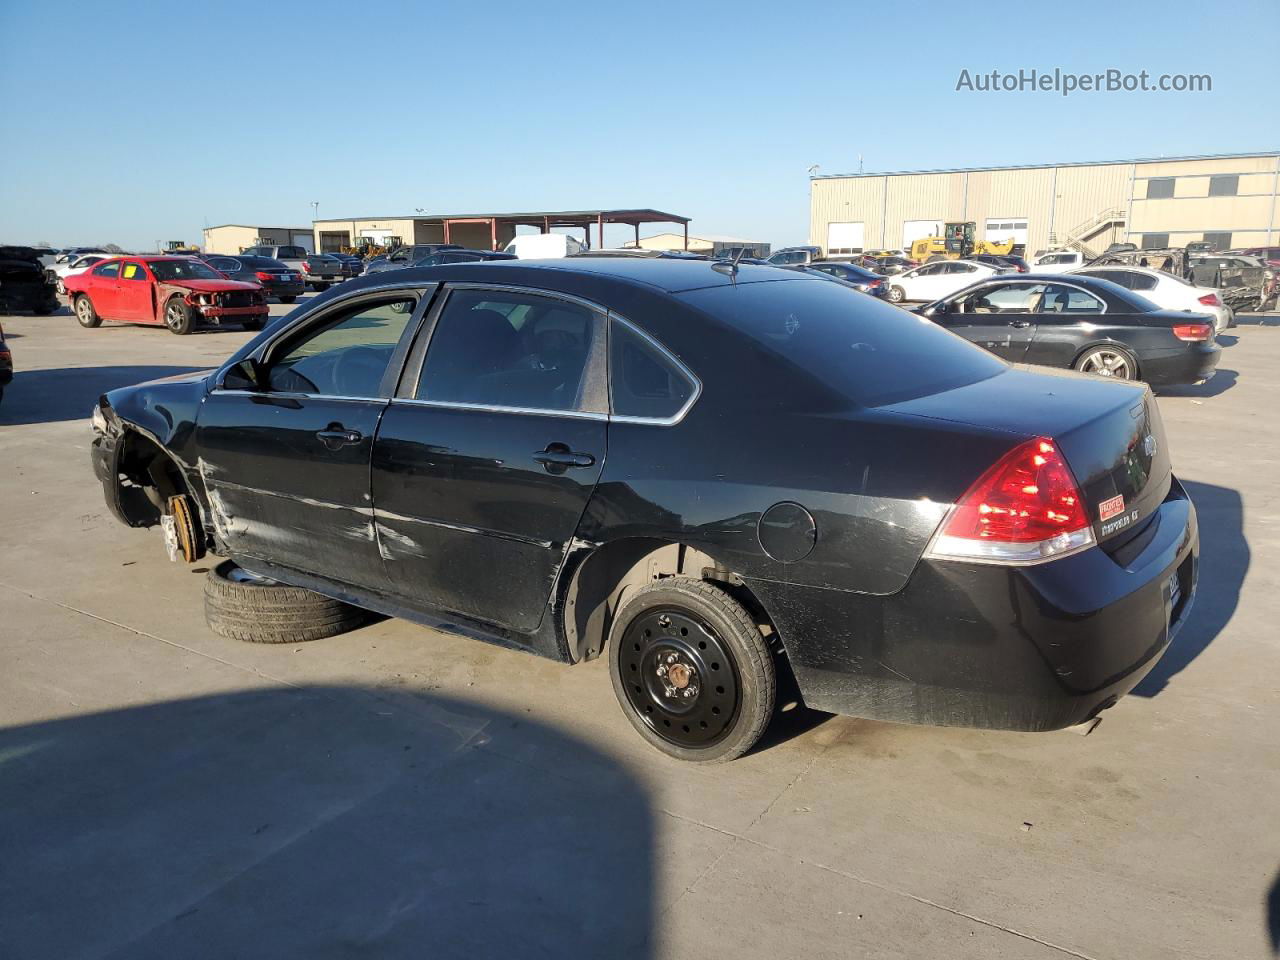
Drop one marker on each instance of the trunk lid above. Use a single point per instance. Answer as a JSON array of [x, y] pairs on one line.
[[1109, 431]]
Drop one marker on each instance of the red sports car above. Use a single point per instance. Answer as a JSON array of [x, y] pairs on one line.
[[178, 292]]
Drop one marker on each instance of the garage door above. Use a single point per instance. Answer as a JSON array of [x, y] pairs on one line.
[[844, 238], [1000, 229], [913, 230]]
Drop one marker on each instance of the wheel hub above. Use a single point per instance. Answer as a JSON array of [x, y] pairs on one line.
[[679, 677]]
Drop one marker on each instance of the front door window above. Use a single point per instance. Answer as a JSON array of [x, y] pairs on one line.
[[346, 357]]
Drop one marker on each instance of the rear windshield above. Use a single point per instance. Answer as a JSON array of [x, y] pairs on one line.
[[869, 351], [291, 253]]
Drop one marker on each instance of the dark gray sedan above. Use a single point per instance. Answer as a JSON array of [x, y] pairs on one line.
[[1082, 323]]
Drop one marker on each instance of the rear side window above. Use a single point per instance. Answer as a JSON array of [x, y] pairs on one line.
[[644, 380], [500, 349], [868, 351], [108, 269]]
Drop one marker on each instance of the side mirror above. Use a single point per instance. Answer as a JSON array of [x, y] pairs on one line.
[[248, 374], [938, 308]]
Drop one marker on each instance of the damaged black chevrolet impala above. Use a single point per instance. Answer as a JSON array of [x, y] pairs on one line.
[[715, 476]]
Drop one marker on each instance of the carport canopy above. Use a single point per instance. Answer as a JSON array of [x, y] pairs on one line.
[[545, 220]]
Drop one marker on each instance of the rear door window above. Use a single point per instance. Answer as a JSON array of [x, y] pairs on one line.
[[514, 350], [111, 269]]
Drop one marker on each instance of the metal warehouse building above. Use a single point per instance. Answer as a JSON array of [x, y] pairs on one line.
[[1229, 200]]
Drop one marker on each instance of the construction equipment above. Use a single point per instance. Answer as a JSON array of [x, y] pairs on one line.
[[178, 247], [956, 243]]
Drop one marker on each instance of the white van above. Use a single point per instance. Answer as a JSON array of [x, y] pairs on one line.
[[544, 246]]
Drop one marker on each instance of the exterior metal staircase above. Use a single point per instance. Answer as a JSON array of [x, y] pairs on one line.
[[1076, 237]]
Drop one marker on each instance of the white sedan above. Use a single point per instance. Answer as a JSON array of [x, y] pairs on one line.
[[933, 281], [1165, 291], [78, 265]]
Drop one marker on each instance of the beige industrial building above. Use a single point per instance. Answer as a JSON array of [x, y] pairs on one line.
[[1229, 200], [231, 238], [479, 231]]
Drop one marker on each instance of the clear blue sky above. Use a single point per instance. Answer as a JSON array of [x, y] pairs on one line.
[[137, 122]]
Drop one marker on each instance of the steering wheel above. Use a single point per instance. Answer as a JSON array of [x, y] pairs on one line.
[[357, 370]]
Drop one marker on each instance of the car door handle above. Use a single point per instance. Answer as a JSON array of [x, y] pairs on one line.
[[558, 457], [337, 436], [1019, 323]]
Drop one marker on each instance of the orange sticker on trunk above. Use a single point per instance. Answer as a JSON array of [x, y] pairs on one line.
[[1109, 508]]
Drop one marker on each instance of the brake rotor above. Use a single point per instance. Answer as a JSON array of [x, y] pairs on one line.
[[184, 528]]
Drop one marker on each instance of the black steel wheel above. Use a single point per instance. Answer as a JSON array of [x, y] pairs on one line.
[[691, 670]]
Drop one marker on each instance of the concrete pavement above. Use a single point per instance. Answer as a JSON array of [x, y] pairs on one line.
[[398, 792]]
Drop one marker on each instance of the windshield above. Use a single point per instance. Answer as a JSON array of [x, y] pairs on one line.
[[183, 270], [868, 351]]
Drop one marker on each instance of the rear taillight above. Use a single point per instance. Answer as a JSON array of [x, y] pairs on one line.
[[263, 276], [1193, 332], [306, 267], [1210, 300], [1025, 509], [874, 283]]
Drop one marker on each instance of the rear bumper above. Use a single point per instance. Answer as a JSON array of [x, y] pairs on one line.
[[1013, 648], [1193, 364], [284, 289]]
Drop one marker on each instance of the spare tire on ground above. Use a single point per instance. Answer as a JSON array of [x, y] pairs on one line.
[[242, 606]]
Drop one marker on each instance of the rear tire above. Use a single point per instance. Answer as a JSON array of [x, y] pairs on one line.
[[252, 323], [288, 299], [85, 314], [240, 606], [676, 635], [178, 317], [1108, 360]]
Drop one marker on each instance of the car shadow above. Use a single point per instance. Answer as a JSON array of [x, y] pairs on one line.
[[1273, 914], [317, 822], [1224, 564], [68, 393], [1226, 340], [1219, 383]]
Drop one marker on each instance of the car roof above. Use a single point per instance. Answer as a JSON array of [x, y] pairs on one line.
[[564, 273]]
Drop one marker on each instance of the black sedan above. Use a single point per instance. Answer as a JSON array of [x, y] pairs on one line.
[[277, 279], [863, 279], [713, 476], [1082, 323]]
